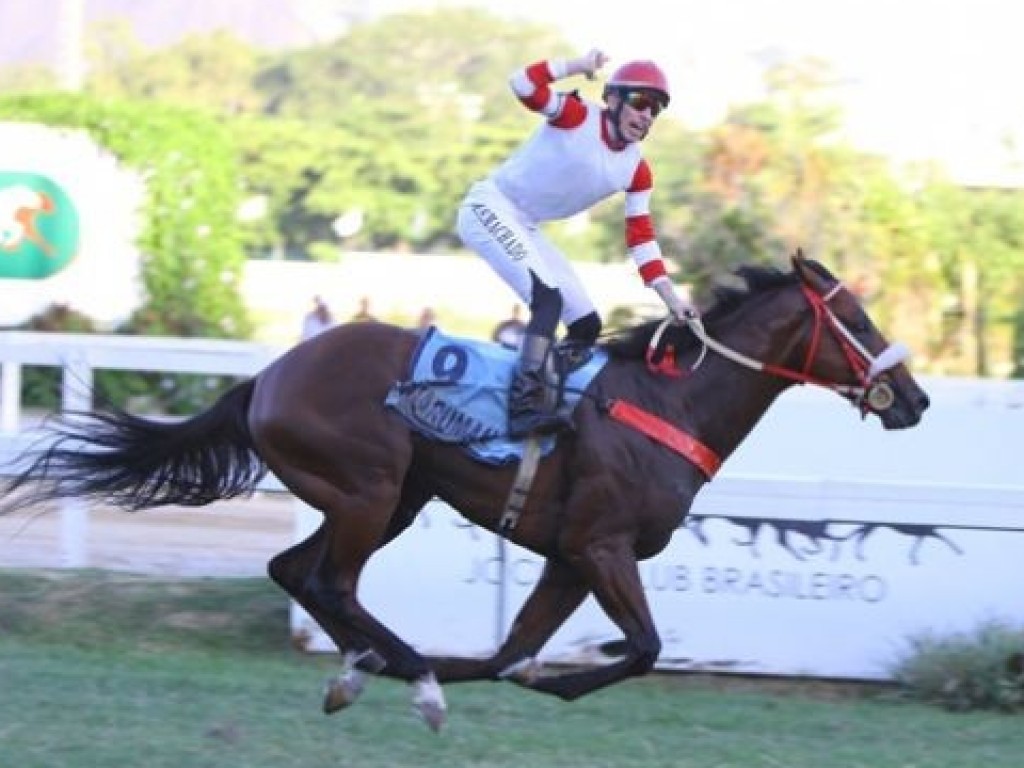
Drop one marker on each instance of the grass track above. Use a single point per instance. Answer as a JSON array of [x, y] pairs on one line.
[[99, 669]]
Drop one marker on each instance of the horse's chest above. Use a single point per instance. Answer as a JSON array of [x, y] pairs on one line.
[[667, 501], [666, 489], [656, 508]]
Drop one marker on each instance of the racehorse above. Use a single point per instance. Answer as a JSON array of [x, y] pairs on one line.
[[608, 495]]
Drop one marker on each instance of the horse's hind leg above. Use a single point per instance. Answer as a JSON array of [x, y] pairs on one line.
[[356, 525], [333, 586], [293, 568], [558, 593], [330, 439]]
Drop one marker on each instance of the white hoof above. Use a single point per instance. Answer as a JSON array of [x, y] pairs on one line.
[[428, 702], [525, 671], [343, 689]]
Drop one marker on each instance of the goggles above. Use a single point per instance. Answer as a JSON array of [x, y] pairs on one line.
[[644, 100]]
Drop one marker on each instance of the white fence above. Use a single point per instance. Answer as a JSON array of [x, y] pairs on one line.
[[79, 355], [824, 543]]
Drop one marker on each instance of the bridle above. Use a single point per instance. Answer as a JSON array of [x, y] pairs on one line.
[[872, 393]]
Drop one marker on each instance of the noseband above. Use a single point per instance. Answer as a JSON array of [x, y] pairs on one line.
[[872, 393]]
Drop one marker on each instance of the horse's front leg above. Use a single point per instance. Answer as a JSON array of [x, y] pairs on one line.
[[611, 569], [558, 593]]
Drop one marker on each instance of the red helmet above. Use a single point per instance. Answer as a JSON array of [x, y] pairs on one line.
[[639, 74]]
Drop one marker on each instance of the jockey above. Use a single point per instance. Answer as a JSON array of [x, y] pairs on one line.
[[583, 153]]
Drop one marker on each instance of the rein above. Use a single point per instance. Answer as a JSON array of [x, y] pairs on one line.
[[870, 394]]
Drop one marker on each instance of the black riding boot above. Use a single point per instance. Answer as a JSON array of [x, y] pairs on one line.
[[532, 406]]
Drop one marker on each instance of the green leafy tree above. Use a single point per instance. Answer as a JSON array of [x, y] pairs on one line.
[[191, 256], [215, 72], [727, 219], [977, 241], [425, 108]]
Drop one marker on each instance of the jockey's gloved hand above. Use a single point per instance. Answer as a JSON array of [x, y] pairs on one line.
[[587, 64], [681, 310]]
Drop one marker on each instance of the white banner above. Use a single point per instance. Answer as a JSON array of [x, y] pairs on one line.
[[767, 577]]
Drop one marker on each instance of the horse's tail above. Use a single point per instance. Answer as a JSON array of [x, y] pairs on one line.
[[136, 463]]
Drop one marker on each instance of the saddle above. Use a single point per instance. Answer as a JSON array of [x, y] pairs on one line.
[[456, 391]]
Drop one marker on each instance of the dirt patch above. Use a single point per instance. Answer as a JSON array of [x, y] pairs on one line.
[[226, 539]]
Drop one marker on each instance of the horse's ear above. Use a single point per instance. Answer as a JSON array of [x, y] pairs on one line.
[[807, 273], [799, 262]]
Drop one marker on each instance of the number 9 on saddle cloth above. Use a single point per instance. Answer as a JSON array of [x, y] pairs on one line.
[[457, 392]]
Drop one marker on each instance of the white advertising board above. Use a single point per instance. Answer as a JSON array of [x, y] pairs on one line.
[[103, 279], [767, 577]]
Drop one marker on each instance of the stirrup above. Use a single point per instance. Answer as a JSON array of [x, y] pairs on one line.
[[538, 423]]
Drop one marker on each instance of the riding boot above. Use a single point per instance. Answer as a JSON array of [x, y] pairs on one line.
[[532, 402]]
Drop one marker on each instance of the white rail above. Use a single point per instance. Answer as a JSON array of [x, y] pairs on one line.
[[79, 356]]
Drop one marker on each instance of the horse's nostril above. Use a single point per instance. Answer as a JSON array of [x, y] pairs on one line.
[[923, 402]]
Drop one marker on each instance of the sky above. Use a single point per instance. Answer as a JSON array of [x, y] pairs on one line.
[[918, 79]]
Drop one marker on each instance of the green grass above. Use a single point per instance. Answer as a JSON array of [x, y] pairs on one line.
[[106, 670]]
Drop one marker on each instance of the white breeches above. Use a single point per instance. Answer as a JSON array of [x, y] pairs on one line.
[[492, 226]]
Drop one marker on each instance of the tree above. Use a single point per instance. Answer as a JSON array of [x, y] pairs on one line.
[[215, 72], [189, 240], [977, 237], [425, 106]]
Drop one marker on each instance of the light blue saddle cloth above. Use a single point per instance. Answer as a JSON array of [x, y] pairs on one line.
[[457, 392]]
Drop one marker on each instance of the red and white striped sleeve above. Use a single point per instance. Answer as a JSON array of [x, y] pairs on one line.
[[532, 86], [640, 238]]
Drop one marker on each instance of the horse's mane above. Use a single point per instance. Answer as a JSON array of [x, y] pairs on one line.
[[755, 279]]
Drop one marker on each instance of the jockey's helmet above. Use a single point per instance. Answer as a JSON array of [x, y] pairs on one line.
[[640, 74]]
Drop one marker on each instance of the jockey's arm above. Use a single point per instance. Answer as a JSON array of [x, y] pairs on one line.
[[531, 84], [643, 246]]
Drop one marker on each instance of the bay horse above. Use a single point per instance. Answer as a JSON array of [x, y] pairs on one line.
[[607, 496]]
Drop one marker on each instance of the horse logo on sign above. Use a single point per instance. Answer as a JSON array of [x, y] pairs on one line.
[[38, 227]]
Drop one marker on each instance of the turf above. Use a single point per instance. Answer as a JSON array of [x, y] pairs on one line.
[[98, 669]]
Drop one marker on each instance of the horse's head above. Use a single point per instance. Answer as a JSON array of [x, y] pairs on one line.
[[840, 347], [800, 326]]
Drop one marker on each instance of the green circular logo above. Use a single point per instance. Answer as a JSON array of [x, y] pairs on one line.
[[39, 230]]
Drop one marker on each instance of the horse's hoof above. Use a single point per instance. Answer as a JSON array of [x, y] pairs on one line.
[[523, 672], [432, 714], [342, 690], [428, 702], [369, 661]]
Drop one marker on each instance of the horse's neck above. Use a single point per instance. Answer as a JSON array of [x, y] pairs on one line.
[[724, 401]]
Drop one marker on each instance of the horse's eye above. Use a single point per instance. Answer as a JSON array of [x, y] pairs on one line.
[[856, 322], [861, 325]]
